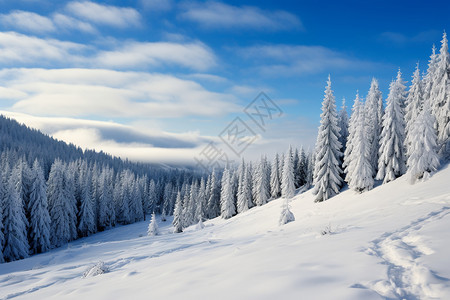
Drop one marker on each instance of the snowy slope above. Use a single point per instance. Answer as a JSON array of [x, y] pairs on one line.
[[391, 242]]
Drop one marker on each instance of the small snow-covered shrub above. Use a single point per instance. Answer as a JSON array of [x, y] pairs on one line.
[[97, 269]]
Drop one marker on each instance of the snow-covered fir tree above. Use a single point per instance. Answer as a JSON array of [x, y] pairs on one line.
[[423, 158], [302, 167], [287, 177], [56, 195], [359, 170], [327, 170], [151, 197], [275, 178], [343, 125], [39, 225], [391, 163], [352, 128], [70, 173], [429, 76], [14, 222], [414, 102], [214, 197], [178, 215], [87, 221], [286, 214], [262, 185], [201, 201], [227, 206], [106, 210], [374, 116], [244, 201], [440, 95], [153, 226]]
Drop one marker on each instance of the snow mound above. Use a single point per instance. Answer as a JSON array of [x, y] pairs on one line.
[[97, 269]]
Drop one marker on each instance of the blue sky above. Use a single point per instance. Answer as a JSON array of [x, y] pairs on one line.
[[157, 80]]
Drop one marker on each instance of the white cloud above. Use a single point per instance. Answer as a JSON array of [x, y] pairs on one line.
[[98, 92], [63, 21], [115, 16], [286, 60], [135, 54], [18, 48], [27, 21], [220, 15]]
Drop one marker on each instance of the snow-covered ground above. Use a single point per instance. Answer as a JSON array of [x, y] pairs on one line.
[[392, 242]]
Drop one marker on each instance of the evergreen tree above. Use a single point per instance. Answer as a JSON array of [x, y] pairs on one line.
[[214, 197], [151, 197], [275, 186], [106, 210], [349, 154], [343, 125], [359, 176], [423, 158], [440, 95], [39, 230], [244, 201], [201, 202], [178, 215], [327, 172], [429, 77], [287, 179], [391, 162], [14, 221], [414, 103], [59, 216], [87, 222], [153, 226], [262, 193], [286, 214], [373, 116], [226, 199], [70, 203], [296, 170], [303, 167]]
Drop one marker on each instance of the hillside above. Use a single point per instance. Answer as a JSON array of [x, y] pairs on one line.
[[391, 242]]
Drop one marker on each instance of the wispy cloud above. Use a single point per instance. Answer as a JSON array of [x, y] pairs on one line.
[[220, 15], [402, 39], [137, 54], [27, 21], [110, 94], [120, 17], [16, 48], [287, 60], [67, 22]]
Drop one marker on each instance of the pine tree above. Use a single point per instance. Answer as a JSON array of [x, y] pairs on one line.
[[39, 230], [87, 222], [214, 197], [296, 162], [153, 226], [440, 95], [275, 186], [287, 179], [343, 125], [352, 128], [359, 176], [70, 203], [423, 158], [244, 201], [226, 199], [327, 172], [201, 201], [59, 216], [374, 114], [106, 210], [14, 221], [151, 197], [286, 214], [391, 162], [429, 76], [262, 192], [303, 167], [414, 103], [178, 215]]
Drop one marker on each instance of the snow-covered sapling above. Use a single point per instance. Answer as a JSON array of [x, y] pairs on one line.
[[153, 227]]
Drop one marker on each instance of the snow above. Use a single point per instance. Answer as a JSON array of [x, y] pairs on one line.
[[390, 242]]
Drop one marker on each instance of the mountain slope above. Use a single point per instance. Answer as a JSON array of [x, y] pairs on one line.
[[391, 242]]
